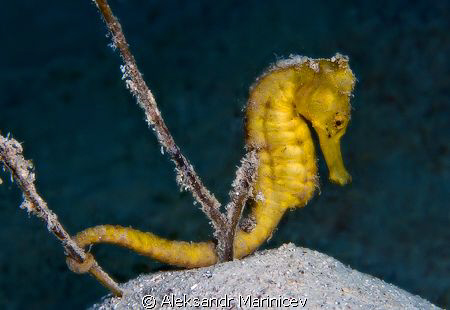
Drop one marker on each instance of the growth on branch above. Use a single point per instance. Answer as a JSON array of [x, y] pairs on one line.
[[186, 176], [22, 172], [242, 188]]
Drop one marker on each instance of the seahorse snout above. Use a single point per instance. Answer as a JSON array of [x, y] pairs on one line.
[[340, 177], [331, 149]]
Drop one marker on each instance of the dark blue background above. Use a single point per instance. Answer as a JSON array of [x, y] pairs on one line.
[[61, 94]]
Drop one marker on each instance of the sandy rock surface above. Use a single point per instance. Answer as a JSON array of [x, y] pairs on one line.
[[287, 276]]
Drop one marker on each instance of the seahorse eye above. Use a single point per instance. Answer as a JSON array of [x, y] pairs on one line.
[[339, 124], [339, 121]]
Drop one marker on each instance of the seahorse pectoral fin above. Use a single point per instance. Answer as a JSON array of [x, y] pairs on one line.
[[331, 149]]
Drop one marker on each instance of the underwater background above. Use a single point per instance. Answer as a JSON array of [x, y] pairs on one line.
[[61, 94]]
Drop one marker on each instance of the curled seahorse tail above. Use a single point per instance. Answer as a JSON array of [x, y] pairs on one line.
[[177, 253]]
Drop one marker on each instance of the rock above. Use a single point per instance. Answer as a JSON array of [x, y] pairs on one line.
[[287, 276]]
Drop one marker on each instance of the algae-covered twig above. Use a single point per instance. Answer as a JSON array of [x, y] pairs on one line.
[[186, 176], [241, 191], [22, 172]]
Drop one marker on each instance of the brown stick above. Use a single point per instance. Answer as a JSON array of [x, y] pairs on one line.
[[241, 191], [22, 172], [186, 176]]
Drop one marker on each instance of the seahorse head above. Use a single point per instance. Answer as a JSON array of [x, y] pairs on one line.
[[324, 100]]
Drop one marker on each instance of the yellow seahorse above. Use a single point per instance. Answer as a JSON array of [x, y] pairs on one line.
[[291, 95]]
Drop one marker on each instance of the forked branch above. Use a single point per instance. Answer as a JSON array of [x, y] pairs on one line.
[[22, 171]]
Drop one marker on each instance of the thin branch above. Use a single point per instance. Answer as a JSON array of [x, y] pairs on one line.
[[22, 171], [186, 176], [241, 191]]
